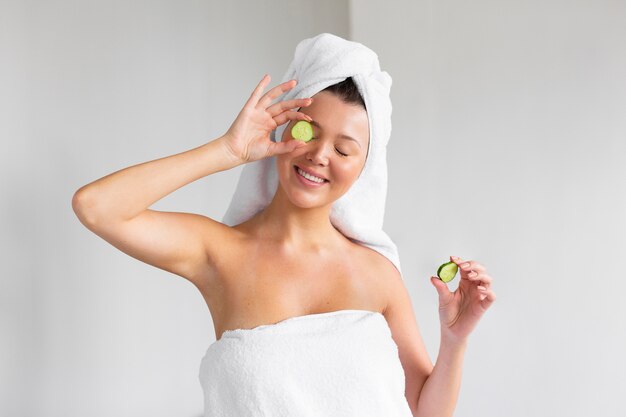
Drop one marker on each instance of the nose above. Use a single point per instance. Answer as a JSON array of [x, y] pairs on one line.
[[318, 152]]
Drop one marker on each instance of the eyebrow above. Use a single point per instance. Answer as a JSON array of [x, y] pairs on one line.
[[341, 135]]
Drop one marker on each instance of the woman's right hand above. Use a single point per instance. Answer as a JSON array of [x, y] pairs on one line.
[[248, 138]]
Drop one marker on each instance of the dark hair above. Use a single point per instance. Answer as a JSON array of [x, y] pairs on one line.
[[347, 91]]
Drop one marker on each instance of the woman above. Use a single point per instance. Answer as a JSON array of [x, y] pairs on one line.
[[288, 268]]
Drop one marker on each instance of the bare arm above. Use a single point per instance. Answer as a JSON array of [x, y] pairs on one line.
[[126, 193], [459, 313], [115, 208], [431, 391], [440, 392]]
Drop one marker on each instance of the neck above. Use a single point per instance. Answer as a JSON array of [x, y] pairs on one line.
[[297, 228]]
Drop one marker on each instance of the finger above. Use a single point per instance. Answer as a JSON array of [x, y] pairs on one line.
[[457, 261], [471, 266], [256, 94], [268, 97], [290, 115], [467, 266], [279, 148], [482, 279], [281, 106], [487, 299], [460, 261], [442, 289]]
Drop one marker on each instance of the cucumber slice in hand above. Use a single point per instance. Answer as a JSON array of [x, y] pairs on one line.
[[302, 131], [447, 271]]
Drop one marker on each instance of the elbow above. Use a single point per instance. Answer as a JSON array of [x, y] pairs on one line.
[[84, 207]]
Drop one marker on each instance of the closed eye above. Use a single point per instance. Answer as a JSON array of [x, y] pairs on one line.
[[343, 155]]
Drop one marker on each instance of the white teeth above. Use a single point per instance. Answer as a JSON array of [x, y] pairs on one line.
[[309, 177]]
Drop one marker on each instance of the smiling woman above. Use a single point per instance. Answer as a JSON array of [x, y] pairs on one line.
[[322, 205], [329, 156], [303, 285]]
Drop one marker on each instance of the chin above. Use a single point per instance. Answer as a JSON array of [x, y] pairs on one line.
[[302, 197]]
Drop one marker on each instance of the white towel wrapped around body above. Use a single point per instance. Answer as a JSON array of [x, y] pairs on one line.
[[341, 363]]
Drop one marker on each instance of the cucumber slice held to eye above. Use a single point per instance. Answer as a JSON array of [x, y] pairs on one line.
[[302, 130], [447, 271]]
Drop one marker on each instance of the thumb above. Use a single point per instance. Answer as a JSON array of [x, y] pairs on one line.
[[280, 148], [440, 286]]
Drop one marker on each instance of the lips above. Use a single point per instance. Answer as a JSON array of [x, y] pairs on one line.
[[308, 171]]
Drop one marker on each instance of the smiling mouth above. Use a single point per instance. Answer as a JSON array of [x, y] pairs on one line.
[[295, 167]]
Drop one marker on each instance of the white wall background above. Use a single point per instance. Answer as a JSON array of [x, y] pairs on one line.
[[507, 148]]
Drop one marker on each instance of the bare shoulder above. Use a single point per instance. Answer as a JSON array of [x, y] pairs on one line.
[[383, 272], [389, 281]]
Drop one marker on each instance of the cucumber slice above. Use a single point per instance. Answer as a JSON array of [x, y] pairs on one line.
[[302, 131], [447, 271]]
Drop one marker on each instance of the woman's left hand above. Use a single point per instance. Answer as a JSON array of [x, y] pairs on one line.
[[459, 311]]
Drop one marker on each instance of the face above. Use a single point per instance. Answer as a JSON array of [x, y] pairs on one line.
[[329, 154]]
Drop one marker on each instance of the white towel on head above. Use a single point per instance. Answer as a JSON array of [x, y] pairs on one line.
[[319, 62]]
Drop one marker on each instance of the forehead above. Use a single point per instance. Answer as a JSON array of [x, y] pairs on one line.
[[336, 117]]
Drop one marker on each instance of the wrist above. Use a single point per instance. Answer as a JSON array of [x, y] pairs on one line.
[[228, 151], [451, 341]]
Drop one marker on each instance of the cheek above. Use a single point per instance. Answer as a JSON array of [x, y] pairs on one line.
[[347, 172]]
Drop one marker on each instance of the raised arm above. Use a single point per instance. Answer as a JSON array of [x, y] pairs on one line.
[[459, 313], [433, 391], [116, 207]]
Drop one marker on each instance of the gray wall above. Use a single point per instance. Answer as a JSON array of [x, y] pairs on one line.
[[89, 88], [507, 148]]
